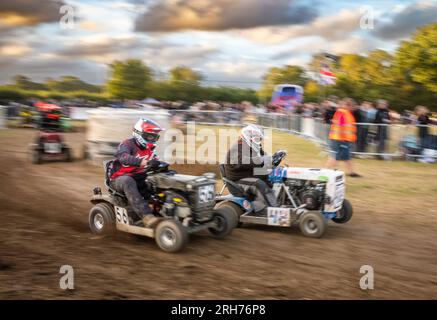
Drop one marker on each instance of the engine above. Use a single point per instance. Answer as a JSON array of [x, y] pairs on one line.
[[308, 192], [185, 195]]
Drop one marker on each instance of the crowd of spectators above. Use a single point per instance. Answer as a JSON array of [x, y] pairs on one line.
[[373, 118], [373, 121]]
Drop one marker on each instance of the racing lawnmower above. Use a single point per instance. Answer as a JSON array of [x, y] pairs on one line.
[[184, 203], [307, 197], [49, 143]]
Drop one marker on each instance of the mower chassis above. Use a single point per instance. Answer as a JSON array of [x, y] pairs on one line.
[[142, 231]]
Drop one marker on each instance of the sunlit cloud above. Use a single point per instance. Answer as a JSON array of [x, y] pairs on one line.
[[175, 15], [228, 41]]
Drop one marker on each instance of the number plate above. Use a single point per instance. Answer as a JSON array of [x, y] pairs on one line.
[[121, 215], [339, 196], [206, 193], [52, 147], [278, 217]]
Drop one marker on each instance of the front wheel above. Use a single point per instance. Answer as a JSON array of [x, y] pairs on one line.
[[171, 236], [312, 224], [345, 213], [225, 220], [102, 219], [67, 154]]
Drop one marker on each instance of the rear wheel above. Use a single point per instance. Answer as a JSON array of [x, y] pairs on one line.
[[85, 152], [312, 224], [345, 213], [171, 236], [36, 156], [236, 210], [102, 219], [225, 221]]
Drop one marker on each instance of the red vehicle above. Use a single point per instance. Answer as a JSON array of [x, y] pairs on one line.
[[49, 142]]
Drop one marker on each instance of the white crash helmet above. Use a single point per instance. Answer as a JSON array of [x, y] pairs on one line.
[[253, 136]]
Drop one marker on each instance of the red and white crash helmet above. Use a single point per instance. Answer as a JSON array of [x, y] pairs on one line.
[[146, 132], [253, 136]]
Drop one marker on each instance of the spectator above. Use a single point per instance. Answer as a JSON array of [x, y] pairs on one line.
[[342, 135], [329, 111], [423, 121], [316, 111], [299, 113], [361, 116], [382, 118], [371, 113], [406, 117], [259, 108]]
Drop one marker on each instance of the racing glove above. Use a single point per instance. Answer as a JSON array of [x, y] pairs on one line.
[[280, 153], [153, 164]]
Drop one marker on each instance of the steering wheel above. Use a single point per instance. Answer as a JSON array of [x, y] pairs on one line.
[[277, 157]]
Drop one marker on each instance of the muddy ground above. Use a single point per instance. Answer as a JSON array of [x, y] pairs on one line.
[[44, 211]]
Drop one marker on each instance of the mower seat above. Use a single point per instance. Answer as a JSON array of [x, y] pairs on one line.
[[235, 189], [107, 165]]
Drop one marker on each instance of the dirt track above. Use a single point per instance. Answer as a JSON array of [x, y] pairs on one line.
[[44, 211]]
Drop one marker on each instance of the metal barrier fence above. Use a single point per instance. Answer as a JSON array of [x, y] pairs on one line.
[[207, 116], [382, 140]]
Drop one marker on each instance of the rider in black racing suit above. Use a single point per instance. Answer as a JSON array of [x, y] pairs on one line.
[[246, 164]]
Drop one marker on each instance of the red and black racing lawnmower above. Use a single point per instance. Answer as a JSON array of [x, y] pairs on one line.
[[49, 143]]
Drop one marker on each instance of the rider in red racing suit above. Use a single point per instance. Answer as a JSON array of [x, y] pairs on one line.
[[128, 173]]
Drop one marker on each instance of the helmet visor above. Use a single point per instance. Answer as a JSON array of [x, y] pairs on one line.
[[150, 137]]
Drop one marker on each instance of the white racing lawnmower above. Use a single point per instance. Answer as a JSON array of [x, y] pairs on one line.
[[184, 203], [307, 197]]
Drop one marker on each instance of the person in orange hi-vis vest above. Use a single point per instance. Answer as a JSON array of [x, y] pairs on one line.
[[342, 134]]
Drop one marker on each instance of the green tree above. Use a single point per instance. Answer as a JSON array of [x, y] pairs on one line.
[[183, 74], [312, 91], [351, 67], [24, 83], [230, 94], [184, 84], [8, 93], [378, 68], [128, 79], [417, 59], [287, 74], [71, 83]]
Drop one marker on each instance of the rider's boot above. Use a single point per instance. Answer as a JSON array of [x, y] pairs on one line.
[[150, 221], [271, 199]]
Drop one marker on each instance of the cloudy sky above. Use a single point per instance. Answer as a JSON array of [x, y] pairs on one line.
[[229, 41]]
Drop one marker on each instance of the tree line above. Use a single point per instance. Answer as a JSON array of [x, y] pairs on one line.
[[130, 80]]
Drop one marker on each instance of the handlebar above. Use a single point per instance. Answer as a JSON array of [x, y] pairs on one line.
[[162, 167]]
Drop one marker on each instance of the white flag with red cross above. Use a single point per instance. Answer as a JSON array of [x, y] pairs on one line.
[[326, 76]]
